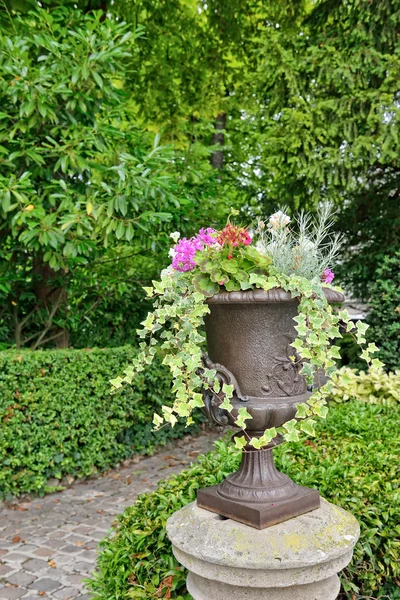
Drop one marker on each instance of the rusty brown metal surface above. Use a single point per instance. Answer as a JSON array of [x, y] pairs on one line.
[[249, 335]]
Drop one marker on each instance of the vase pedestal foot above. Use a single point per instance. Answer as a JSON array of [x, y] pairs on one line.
[[260, 515], [257, 494]]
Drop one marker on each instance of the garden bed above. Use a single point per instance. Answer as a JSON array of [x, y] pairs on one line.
[[353, 462]]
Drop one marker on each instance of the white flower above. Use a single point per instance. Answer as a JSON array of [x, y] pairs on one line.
[[172, 253], [175, 235], [167, 272], [278, 220]]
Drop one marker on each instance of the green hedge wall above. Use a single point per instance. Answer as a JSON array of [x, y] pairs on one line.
[[384, 315], [58, 418], [353, 461]]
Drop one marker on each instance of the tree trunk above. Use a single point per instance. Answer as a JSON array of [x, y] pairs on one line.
[[17, 328], [51, 292], [217, 158]]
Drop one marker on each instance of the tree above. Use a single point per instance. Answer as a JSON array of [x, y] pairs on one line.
[[77, 172], [323, 124]]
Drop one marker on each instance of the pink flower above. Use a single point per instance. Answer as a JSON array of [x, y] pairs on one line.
[[206, 236], [185, 251], [328, 276]]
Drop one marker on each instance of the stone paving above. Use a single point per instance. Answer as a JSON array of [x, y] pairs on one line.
[[48, 545]]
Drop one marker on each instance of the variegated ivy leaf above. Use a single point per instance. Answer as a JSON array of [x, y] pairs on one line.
[[149, 291], [344, 316], [117, 382], [257, 280], [148, 322], [373, 348], [265, 439], [362, 327], [302, 330], [365, 355], [243, 416], [196, 401], [157, 420], [158, 287], [303, 411], [334, 352], [227, 390], [291, 436], [320, 410], [308, 426], [226, 405], [240, 442], [217, 386], [377, 364]]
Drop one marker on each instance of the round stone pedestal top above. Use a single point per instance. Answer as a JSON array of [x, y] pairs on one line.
[[318, 537]]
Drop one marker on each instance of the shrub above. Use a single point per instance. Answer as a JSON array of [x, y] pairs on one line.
[[375, 387], [384, 317], [353, 462], [58, 418]]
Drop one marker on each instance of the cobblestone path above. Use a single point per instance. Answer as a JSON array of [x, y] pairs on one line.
[[48, 545]]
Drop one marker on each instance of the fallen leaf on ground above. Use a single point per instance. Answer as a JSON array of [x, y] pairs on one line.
[[16, 539]]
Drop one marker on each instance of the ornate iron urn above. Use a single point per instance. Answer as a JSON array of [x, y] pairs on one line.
[[249, 335]]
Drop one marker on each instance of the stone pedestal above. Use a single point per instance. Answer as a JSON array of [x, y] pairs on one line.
[[298, 559]]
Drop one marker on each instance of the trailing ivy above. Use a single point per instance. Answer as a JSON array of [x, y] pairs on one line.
[[57, 416], [227, 261], [353, 462]]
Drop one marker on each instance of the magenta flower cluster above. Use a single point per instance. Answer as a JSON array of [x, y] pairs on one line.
[[328, 276], [186, 249]]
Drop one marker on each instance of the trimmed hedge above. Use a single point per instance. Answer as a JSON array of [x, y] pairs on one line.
[[58, 418], [353, 461]]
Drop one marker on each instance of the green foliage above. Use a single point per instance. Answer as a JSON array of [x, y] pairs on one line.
[[76, 169], [354, 463], [303, 115], [374, 387], [58, 417], [80, 179], [371, 227], [327, 114], [384, 315]]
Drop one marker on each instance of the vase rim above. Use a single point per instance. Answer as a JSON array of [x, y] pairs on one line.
[[274, 295]]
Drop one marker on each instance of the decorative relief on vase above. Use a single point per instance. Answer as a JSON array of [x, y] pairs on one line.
[[284, 378]]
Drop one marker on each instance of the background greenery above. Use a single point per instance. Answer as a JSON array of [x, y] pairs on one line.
[[119, 133], [58, 417], [353, 462], [124, 120]]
